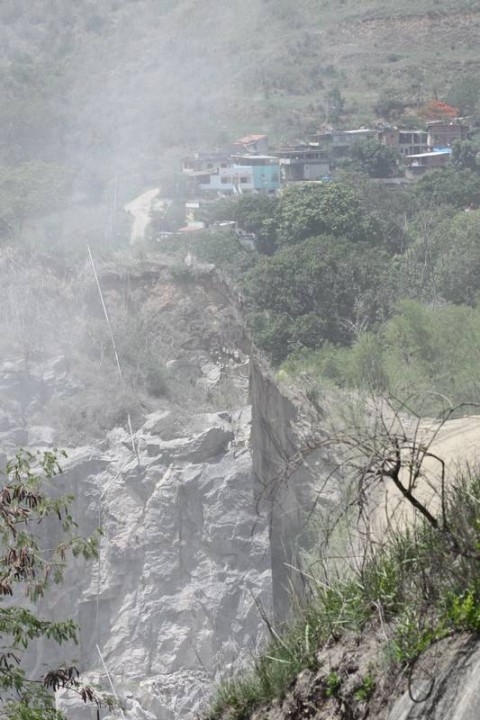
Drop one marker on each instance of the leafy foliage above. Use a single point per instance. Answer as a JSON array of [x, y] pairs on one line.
[[464, 155], [27, 568], [375, 159], [460, 188], [422, 353], [366, 689], [333, 684], [329, 208], [315, 291]]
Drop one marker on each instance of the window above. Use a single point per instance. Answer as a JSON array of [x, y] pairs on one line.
[[226, 180], [244, 180]]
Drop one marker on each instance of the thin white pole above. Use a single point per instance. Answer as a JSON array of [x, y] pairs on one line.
[[114, 345], [109, 677], [105, 312]]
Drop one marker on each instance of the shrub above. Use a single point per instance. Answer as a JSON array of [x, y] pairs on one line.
[[366, 689], [333, 684], [423, 582]]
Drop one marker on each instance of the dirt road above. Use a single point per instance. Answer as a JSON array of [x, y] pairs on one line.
[[141, 209], [457, 444]]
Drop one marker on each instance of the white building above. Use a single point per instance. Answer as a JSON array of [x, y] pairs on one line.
[[230, 179]]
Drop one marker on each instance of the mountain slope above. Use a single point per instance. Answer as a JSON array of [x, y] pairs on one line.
[[128, 78]]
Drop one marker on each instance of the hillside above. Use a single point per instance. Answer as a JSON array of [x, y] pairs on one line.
[[253, 413], [109, 87]]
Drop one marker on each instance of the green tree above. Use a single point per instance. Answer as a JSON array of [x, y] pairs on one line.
[[429, 350], [27, 569], [329, 208], [323, 289], [252, 213], [375, 159], [443, 262], [465, 155], [457, 265], [415, 272], [256, 214], [423, 355], [388, 210], [459, 188]]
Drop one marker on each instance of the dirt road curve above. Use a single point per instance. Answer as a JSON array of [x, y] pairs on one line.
[[140, 209], [458, 445]]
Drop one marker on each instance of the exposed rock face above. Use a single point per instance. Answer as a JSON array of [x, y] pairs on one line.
[[172, 600], [198, 521], [291, 480], [184, 563], [184, 558], [450, 693]]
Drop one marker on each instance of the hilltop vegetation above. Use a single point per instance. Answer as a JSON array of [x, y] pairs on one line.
[[361, 286]]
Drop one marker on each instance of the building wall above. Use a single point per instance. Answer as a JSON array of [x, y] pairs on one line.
[[298, 171], [445, 135], [405, 142], [233, 178], [316, 171], [420, 165], [266, 178]]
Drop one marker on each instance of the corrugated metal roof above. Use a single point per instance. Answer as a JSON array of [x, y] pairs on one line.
[[434, 153]]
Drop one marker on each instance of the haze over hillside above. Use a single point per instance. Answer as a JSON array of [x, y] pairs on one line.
[[261, 367], [104, 86]]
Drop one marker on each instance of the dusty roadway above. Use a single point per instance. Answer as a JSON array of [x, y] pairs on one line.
[[141, 209], [457, 443]]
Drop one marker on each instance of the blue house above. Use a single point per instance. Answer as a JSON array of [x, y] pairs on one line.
[[266, 171]]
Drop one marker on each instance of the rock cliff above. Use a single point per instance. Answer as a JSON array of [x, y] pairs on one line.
[[204, 505], [184, 567]]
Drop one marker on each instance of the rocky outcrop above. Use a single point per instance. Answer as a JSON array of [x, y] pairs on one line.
[[449, 689], [184, 561], [293, 480], [174, 599]]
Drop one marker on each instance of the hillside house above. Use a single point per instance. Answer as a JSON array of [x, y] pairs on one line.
[[302, 162], [239, 173], [419, 163], [232, 179], [216, 172], [405, 142], [204, 163], [341, 142], [265, 169], [443, 134]]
